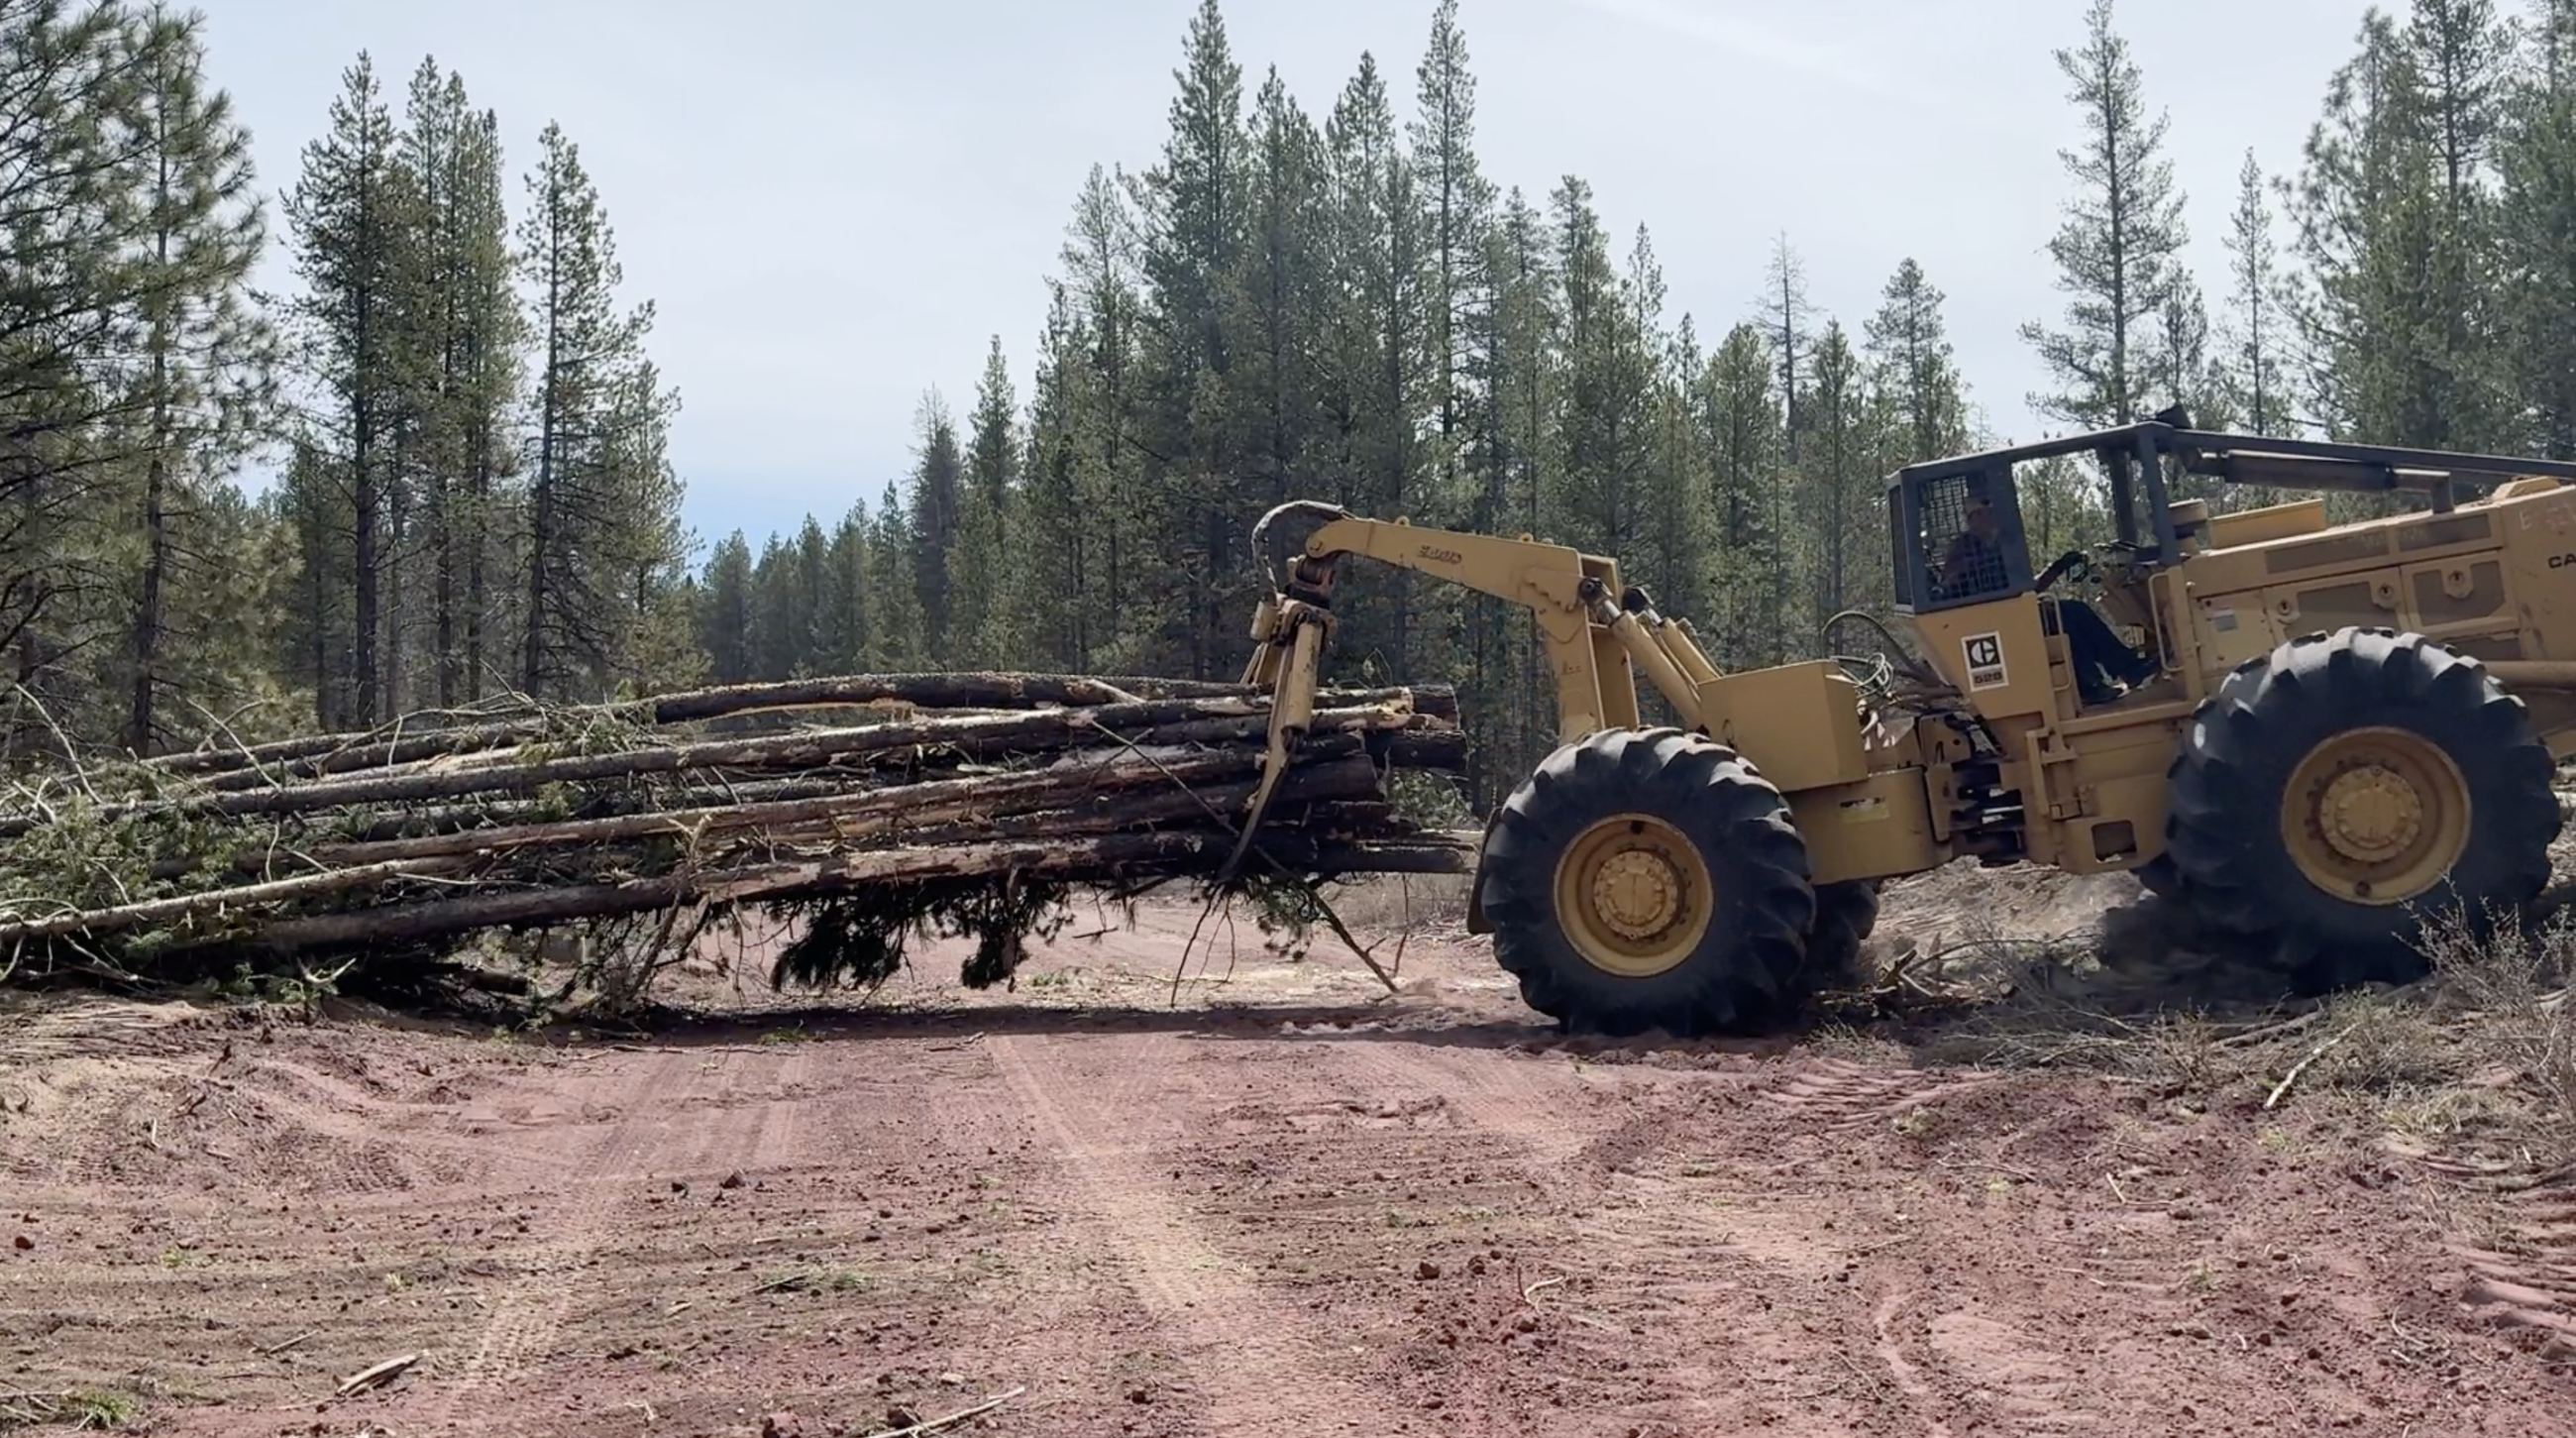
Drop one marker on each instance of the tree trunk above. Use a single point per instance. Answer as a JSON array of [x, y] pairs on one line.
[[148, 609]]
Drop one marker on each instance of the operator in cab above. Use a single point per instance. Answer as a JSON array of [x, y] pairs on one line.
[[1974, 564]]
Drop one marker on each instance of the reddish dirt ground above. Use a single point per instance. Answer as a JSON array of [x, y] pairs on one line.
[[1271, 1207]]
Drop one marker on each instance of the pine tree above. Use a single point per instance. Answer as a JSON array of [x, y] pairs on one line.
[[1601, 498], [2117, 251], [1911, 363], [938, 497], [1103, 330], [1788, 314], [2181, 367], [352, 214], [810, 587], [849, 610], [1457, 204], [1374, 396], [2464, 55], [1515, 375], [1281, 297], [896, 642], [2253, 363], [76, 259], [1843, 513], [594, 490], [985, 517], [725, 611], [1671, 558], [1740, 419], [2537, 236], [2389, 329], [1052, 554], [1195, 228], [204, 352], [465, 331], [778, 620], [645, 548], [312, 505]]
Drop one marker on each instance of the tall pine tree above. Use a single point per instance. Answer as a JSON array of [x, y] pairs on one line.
[[2117, 251], [2252, 362], [594, 484], [202, 368], [353, 213], [1913, 366], [2536, 237]]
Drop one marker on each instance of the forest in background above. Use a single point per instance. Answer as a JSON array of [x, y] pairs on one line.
[[475, 494]]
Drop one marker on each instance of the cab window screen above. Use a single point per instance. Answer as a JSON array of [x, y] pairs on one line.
[[1963, 537]]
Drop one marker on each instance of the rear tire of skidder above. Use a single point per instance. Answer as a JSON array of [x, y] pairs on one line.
[[1650, 879], [2340, 788], [1845, 915]]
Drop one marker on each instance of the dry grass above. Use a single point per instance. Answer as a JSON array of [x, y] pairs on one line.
[[82, 1410], [2484, 1050], [1400, 903]]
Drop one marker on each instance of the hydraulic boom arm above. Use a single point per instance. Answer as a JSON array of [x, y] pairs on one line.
[[1591, 630]]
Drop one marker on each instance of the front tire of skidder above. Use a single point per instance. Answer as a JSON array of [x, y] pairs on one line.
[[1650, 879], [2340, 788]]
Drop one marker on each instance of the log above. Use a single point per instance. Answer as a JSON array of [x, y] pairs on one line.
[[770, 881], [457, 732], [1047, 804], [1207, 806], [467, 827], [435, 826], [972, 737], [977, 691], [1109, 772], [185, 906], [1084, 859], [922, 691]]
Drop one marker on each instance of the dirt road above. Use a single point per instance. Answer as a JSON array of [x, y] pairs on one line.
[[1276, 1208]]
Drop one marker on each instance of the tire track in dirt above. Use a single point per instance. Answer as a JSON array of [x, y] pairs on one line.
[[2532, 1290], [1504, 1094], [1839, 1096], [1994, 1375], [1257, 1373], [1645, 1256], [1652, 1232], [654, 1127]]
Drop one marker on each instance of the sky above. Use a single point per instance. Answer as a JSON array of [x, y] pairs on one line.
[[835, 207]]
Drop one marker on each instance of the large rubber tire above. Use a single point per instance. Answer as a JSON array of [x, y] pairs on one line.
[[2159, 877], [1744, 973], [1845, 915], [2246, 743]]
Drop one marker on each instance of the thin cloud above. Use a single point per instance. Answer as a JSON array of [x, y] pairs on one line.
[[1748, 37]]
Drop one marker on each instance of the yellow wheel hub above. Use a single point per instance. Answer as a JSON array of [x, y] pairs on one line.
[[2377, 816], [1633, 895], [2370, 815]]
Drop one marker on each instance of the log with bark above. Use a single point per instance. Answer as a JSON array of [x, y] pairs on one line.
[[961, 803]]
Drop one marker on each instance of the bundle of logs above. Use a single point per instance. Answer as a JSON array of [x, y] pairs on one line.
[[867, 807]]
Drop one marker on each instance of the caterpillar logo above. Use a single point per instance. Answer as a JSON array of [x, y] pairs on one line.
[[1985, 656], [1440, 556]]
